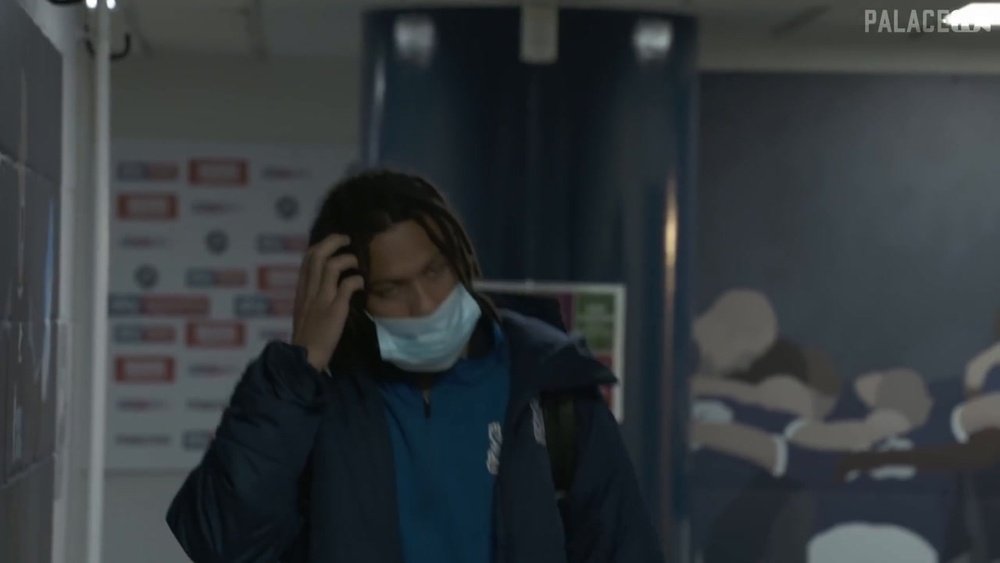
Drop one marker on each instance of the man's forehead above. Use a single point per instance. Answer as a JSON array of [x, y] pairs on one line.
[[402, 251]]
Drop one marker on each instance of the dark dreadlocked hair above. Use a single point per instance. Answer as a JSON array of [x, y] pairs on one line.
[[369, 203]]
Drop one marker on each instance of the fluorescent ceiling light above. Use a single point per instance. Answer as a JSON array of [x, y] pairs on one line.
[[976, 14]]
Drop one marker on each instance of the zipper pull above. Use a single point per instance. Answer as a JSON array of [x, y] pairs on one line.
[[427, 403]]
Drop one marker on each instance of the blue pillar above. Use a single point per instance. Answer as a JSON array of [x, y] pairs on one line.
[[562, 172]]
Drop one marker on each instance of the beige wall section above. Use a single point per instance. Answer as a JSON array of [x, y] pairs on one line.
[[206, 99], [300, 100]]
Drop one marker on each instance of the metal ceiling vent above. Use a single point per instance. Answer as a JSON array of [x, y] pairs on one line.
[[652, 39], [415, 38], [539, 34]]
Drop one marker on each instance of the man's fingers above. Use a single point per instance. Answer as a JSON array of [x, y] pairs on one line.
[[332, 270], [316, 259], [301, 283], [347, 289]]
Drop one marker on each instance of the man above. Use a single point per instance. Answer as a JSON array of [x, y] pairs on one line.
[[975, 427], [788, 381], [404, 421], [883, 512], [734, 504], [973, 455], [883, 406], [738, 328]]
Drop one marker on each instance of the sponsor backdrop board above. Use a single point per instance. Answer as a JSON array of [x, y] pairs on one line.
[[594, 311], [205, 245], [206, 241]]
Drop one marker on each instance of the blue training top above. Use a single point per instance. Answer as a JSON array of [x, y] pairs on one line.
[[445, 453]]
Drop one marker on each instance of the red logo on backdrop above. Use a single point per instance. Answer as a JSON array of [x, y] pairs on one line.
[[144, 369], [281, 278], [147, 207], [175, 305], [150, 334], [219, 172], [148, 171], [216, 334]]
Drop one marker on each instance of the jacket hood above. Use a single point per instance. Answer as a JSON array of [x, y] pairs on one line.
[[544, 358]]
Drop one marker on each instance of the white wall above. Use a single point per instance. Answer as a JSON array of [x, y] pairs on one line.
[[300, 100], [294, 101], [64, 27], [727, 44]]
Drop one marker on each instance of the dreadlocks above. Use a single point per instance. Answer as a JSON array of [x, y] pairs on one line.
[[367, 204]]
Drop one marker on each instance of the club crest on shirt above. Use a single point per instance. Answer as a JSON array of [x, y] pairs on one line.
[[495, 432], [537, 422]]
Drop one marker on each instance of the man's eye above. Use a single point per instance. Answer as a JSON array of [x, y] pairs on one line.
[[436, 269], [385, 291]]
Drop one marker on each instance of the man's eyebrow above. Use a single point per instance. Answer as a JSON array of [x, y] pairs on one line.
[[435, 258]]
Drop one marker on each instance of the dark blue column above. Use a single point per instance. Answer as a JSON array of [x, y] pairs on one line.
[[562, 172]]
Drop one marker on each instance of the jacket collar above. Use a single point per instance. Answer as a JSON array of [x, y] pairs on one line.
[[545, 359]]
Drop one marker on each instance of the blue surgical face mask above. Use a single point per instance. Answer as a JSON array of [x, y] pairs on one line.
[[431, 343]]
